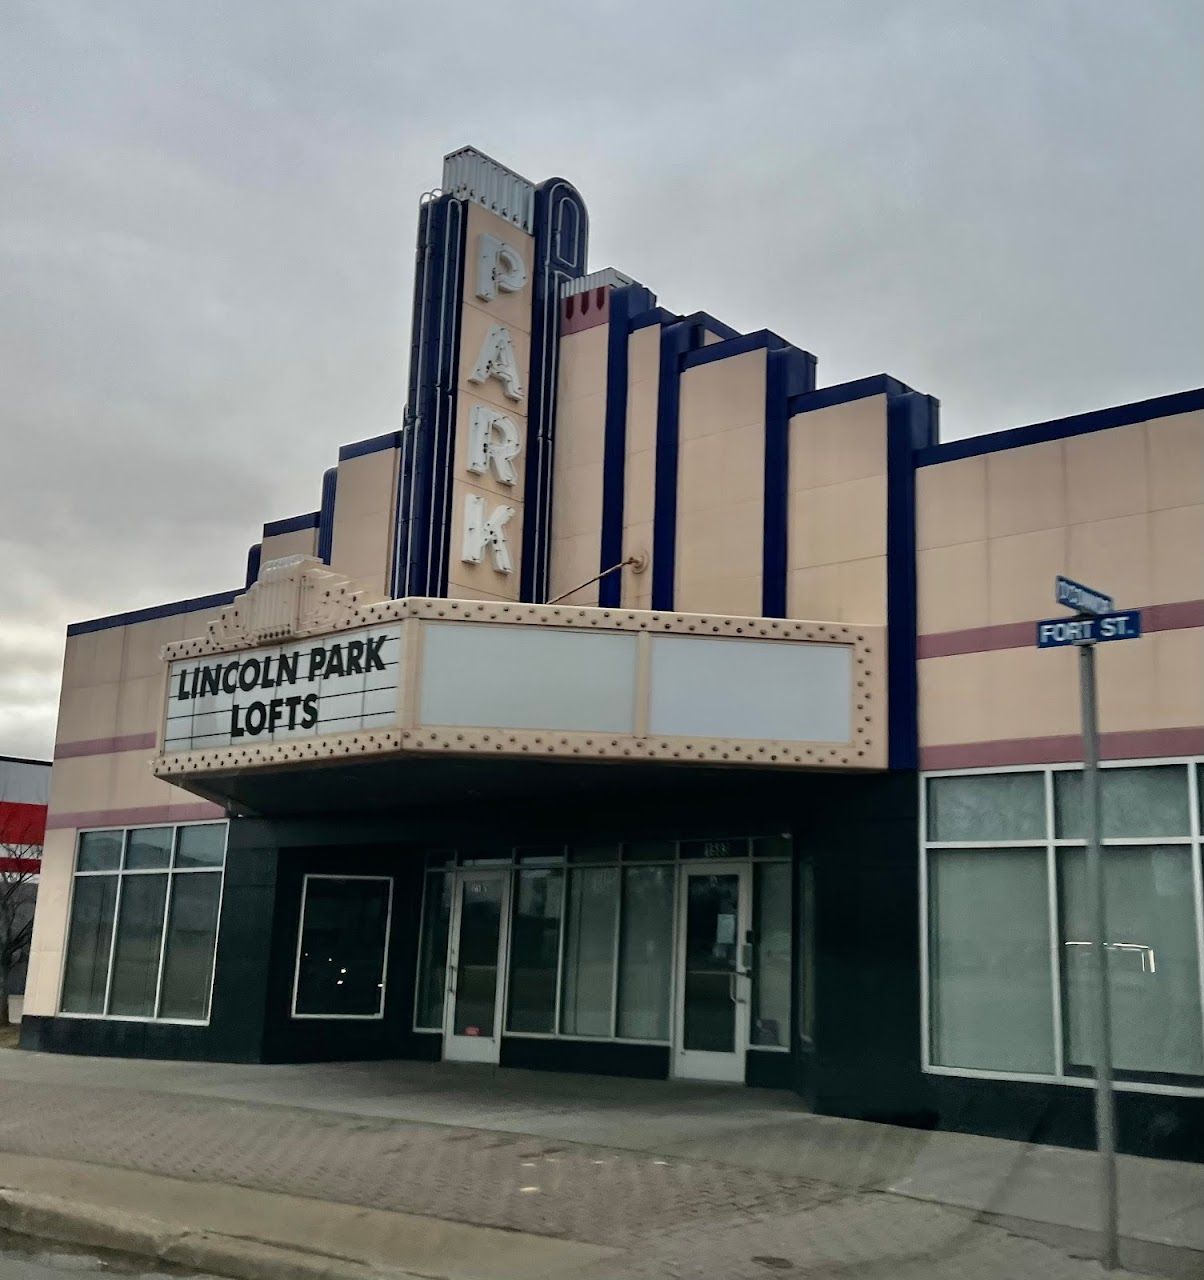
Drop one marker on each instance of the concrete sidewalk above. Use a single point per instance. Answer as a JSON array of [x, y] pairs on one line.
[[668, 1179]]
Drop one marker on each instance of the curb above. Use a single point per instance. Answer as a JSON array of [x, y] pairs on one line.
[[66, 1222]]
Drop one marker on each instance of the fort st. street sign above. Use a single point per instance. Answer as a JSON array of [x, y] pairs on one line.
[[1053, 633]]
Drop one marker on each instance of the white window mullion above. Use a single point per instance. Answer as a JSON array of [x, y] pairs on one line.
[[113, 942], [167, 897]]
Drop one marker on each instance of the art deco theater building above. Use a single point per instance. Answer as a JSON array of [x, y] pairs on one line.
[[644, 707]]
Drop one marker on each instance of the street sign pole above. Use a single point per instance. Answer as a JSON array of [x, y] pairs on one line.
[[1105, 1108]]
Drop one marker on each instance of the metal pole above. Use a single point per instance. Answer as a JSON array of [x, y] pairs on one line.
[[1105, 1111]]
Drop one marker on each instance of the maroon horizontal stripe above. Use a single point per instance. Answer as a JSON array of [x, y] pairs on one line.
[[1018, 635], [1135, 744], [135, 817], [104, 746]]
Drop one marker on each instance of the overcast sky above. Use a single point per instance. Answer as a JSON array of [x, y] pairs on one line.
[[207, 219]]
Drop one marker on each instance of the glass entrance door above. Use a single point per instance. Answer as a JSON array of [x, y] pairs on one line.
[[711, 1026], [477, 943]]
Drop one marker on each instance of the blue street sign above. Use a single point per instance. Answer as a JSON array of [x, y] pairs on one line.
[[1056, 632], [1080, 598]]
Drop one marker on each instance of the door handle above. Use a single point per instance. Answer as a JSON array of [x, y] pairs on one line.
[[731, 985]]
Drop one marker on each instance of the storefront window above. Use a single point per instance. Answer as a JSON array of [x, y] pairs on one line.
[[591, 928], [591, 943], [144, 922], [87, 968], [535, 950], [646, 953], [987, 806], [1145, 802], [1010, 950], [136, 952], [990, 983], [1152, 966], [343, 944], [99, 851], [188, 948], [149, 849], [771, 955], [432, 957]]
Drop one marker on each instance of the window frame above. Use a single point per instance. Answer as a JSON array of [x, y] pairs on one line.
[[119, 873], [384, 964], [1191, 841], [429, 872]]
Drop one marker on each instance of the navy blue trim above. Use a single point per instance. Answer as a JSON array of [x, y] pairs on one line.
[[1121, 415], [424, 490], [155, 611], [789, 373], [446, 389], [658, 315], [676, 340], [761, 340], [624, 302], [391, 440], [561, 250], [292, 524], [880, 384], [724, 332], [911, 425], [330, 489], [254, 560]]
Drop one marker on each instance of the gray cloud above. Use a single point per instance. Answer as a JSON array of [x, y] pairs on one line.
[[206, 235]]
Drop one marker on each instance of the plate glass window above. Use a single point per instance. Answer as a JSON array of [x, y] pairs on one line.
[[1146, 802], [646, 952], [432, 958], [1153, 974], [591, 927], [1010, 947], [771, 955], [344, 941], [989, 978], [143, 926], [534, 950], [88, 946]]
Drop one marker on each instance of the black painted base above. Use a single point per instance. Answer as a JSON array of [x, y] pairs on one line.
[[1163, 1126], [601, 1058]]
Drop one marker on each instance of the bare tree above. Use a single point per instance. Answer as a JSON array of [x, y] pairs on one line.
[[20, 862]]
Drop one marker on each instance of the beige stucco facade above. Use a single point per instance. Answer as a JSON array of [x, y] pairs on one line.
[[110, 719], [1123, 508], [837, 513]]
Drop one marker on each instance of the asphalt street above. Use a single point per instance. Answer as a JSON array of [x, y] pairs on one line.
[[23, 1259]]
